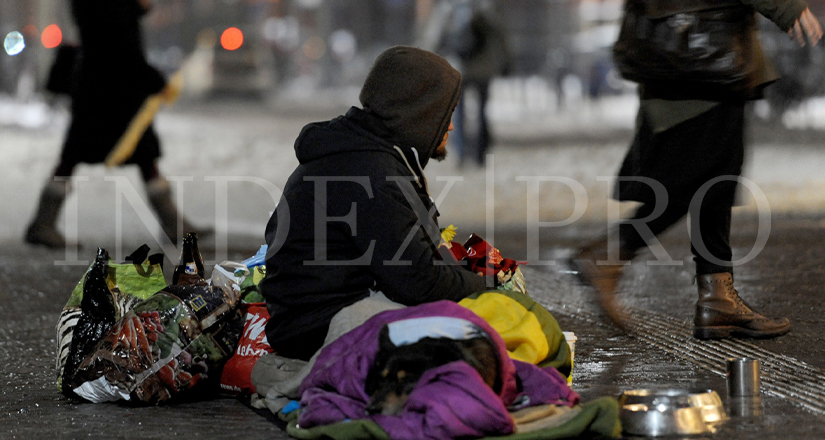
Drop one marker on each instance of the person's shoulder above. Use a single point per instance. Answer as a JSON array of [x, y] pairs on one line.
[[381, 166], [374, 163]]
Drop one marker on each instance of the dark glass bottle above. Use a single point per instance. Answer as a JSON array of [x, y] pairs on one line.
[[190, 267]]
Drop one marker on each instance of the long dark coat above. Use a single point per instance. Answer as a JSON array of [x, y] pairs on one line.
[[686, 137], [683, 158], [110, 83]]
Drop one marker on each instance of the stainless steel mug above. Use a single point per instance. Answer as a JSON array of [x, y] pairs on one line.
[[743, 377], [750, 406]]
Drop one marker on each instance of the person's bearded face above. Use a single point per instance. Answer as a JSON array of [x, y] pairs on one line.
[[440, 152]]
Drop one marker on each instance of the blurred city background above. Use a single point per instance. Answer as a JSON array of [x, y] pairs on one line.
[[266, 49], [256, 71]]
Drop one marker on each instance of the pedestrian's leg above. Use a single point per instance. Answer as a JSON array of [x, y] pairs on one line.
[[483, 138], [160, 198], [149, 171], [720, 312], [43, 228], [598, 268]]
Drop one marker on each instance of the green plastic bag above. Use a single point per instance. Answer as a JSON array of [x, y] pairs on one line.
[[129, 283]]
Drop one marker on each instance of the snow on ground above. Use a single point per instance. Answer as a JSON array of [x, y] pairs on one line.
[[232, 159]]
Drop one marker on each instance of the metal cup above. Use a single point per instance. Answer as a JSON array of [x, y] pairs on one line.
[[745, 406], [743, 377]]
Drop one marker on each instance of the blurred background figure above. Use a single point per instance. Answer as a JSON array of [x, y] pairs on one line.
[[109, 82], [478, 46]]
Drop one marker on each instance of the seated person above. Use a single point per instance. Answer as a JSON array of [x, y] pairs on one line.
[[355, 218]]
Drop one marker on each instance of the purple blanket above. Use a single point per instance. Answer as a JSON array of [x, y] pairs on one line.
[[449, 401]]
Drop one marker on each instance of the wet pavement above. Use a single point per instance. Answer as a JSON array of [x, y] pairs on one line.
[[658, 353], [784, 277]]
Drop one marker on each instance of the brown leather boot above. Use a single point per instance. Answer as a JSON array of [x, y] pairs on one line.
[[721, 313], [590, 264]]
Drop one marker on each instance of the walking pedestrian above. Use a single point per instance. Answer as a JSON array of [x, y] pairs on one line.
[[110, 81], [480, 45], [688, 140]]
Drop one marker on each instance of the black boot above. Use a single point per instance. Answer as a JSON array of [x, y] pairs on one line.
[[592, 267], [721, 313], [43, 228], [160, 198]]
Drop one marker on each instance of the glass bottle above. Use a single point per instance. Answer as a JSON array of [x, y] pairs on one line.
[[190, 267]]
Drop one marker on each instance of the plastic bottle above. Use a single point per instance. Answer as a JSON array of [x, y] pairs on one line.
[[190, 267]]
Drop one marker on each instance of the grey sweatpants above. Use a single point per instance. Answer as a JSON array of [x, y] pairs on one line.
[[277, 379]]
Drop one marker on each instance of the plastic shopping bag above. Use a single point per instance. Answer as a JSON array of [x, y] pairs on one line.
[[236, 376], [165, 346], [105, 293]]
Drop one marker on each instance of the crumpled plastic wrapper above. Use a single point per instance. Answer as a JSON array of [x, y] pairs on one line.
[[482, 258]]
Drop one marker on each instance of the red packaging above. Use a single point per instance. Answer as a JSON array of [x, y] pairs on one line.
[[235, 378], [484, 258]]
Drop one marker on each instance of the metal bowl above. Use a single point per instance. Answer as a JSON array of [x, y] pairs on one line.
[[670, 412]]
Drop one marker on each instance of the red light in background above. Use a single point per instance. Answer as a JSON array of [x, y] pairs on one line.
[[232, 38], [30, 30], [52, 36]]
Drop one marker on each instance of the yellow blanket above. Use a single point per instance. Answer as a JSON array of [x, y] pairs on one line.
[[530, 332]]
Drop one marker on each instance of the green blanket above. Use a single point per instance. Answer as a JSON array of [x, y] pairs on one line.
[[599, 417]]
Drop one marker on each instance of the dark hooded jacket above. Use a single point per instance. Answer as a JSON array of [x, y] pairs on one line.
[[355, 215]]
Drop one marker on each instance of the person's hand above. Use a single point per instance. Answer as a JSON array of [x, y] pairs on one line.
[[503, 277], [501, 273], [508, 267], [808, 26]]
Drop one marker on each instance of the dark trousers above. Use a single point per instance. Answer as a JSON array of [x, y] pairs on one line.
[[473, 145], [709, 234]]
